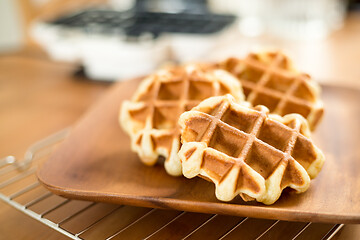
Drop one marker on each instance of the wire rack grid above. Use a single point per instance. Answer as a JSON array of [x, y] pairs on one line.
[[77, 219]]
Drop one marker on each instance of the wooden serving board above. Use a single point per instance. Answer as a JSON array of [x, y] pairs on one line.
[[95, 163]]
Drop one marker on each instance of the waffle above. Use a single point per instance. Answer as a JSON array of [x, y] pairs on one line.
[[269, 79], [247, 151], [151, 117]]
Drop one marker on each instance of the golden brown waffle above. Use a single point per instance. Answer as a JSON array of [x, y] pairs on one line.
[[247, 151], [269, 79], [151, 117]]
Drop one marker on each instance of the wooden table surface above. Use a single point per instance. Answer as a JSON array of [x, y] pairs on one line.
[[39, 97]]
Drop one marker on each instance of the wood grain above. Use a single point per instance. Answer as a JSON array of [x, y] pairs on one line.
[[95, 163], [37, 98]]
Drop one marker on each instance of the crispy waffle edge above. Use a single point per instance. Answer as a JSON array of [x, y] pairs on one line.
[[146, 151], [191, 154]]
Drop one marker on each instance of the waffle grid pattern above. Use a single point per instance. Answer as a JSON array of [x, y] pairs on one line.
[[254, 164], [269, 80], [163, 98]]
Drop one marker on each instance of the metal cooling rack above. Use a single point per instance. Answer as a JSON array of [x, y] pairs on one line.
[[89, 220]]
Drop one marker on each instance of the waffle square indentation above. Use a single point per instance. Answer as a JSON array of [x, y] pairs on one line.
[[140, 115], [227, 141], [199, 90], [275, 134], [196, 128], [232, 117], [292, 107], [170, 90], [305, 158], [303, 92], [263, 159], [279, 83], [271, 101], [165, 117], [216, 167], [251, 74]]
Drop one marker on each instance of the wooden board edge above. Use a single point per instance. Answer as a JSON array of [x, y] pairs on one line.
[[208, 208]]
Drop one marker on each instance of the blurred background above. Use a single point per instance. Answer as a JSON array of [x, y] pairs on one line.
[[119, 39]]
